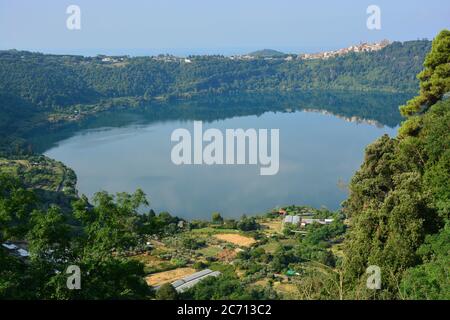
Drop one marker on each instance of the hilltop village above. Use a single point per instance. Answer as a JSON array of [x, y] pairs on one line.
[[266, 54]]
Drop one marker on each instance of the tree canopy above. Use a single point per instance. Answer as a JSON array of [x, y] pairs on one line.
[[435, 77], [399, 199]]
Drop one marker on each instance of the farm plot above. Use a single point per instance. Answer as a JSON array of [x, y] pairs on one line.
[[236, 239], [170, 276]]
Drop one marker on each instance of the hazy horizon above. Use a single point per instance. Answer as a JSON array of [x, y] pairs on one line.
[[182, 52], [212, 27]]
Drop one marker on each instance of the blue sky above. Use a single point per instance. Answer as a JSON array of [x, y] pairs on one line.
[[212, 26]]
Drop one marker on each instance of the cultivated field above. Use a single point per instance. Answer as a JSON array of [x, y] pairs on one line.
[[160, 278], [236, 239]]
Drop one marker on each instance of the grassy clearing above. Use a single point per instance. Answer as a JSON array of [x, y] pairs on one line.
[[286, 290], [154, 264], [212, 231], [224, 268], [273, 226], [210, 251], [289, 242], [338, 250], [260, 283], [271, 246]]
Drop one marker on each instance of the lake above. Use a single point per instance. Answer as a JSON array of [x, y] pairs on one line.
[[321, 146]]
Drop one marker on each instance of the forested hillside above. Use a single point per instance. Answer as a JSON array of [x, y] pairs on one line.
[[399, 203], [16, 116], [52, 81]]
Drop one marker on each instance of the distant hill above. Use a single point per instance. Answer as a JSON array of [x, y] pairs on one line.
[[266, 53], [58, 82]]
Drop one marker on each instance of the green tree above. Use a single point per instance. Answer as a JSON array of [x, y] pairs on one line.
[[13, 274], [112, 224], [193, 244], [166, 292], [49, 236], [94, 242], [247, 224], [216, 218], [431, 279], [16, 204], [400, 195], [435, 78]]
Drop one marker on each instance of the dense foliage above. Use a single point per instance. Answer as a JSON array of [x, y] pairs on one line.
[[435, 78], [227, 287], [52, 81], [399, 201], [96, 242]]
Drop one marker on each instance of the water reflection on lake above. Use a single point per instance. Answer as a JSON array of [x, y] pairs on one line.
[[319, 149]]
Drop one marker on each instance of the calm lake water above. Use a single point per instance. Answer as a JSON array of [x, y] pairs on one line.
[[319, 152]]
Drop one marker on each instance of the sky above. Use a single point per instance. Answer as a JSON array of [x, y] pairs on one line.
[[182, 27]]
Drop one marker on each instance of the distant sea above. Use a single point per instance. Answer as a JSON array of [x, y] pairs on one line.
[[182, 52]]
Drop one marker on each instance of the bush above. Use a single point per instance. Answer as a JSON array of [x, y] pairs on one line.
[[247, 224], [193, 244], [200, 265], [216, 218], [166, 292]]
